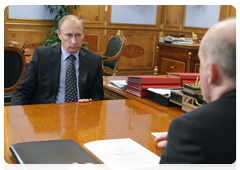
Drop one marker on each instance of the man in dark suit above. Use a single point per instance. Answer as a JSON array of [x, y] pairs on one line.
[[44, 80], [207, 137]]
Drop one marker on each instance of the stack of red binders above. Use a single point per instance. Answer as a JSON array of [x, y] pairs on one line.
[[138, 85]]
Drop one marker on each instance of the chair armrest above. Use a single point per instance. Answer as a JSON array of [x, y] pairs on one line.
[[104, 57]]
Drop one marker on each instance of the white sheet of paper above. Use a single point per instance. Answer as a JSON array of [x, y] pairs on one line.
[[118, 84], [156, 134], [122, 151], [160, 91], [123, 82]]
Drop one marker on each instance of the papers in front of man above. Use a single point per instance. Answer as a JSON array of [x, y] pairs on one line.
[[178, 40], [120, 84], [122, 151], [163, 92], [157, 134]]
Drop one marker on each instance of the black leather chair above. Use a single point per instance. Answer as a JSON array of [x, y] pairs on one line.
[[14, 66], [111, 56]]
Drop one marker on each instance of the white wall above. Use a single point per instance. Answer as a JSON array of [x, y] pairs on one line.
[[30, 12]]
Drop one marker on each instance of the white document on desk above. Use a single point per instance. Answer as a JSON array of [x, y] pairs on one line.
[[163, 91], [157, 134], [122, 151], [160, 91], [120, 84]]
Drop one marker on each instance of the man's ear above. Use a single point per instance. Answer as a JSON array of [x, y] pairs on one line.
[[212, 73], [59, 35]]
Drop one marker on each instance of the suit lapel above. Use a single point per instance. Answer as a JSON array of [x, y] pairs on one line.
[[55, 64], [83, 70]]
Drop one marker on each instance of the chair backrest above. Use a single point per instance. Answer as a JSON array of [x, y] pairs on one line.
[[114, 51], [114, 45], [14, 66]]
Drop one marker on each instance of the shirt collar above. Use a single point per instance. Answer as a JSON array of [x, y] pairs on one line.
[[65, 54]]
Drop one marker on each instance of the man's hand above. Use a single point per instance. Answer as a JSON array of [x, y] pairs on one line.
[[161, 140], [84, 100], [87, 166]]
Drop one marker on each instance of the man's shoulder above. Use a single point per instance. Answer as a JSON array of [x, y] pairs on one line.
[[88, 52], [41, 53], [48, 48]]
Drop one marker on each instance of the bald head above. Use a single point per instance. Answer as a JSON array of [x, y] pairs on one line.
[[219, 46]]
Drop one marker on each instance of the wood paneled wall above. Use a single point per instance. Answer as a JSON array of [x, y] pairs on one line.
[[139, 55]]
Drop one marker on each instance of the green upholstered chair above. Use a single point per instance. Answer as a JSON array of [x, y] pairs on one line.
[[111, 56], [14, 66]]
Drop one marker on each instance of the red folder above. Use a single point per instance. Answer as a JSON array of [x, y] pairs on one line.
[[160, 80], [146, 86], [136, 92], [189, 76]]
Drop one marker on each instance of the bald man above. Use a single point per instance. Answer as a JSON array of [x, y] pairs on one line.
[[207, 135]]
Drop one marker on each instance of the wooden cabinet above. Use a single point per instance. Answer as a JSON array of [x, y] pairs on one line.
[[177, 58]]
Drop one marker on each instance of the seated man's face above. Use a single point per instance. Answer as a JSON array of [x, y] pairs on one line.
[[71, 35]]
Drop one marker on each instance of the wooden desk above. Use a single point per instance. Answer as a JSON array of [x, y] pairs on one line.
[[84, 122], [114, 93]]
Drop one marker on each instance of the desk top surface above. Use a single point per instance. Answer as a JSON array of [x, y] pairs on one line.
[[84, 122], [172, 110]]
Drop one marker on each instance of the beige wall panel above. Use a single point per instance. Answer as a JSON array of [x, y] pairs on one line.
[[227, 11], [196, 68], [138, 52], [173, 16], [91, 14], [21, 36], [232, 11], [94, 38]]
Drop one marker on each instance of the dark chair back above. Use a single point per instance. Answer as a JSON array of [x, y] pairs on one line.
[[14, 66], [113, 54], [114, 45]]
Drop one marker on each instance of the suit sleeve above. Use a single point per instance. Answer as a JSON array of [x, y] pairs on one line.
[[184, 144], [27, 87], [97, 92]]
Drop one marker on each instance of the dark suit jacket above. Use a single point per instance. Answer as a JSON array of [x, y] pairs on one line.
[[204, 136], [41, 78]]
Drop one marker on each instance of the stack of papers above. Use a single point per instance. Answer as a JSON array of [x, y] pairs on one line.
[[122, 151], [120, 84], [163, 92], [179, 41]]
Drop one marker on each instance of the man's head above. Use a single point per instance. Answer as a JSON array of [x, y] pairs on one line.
[[217, 54], [71, 31]]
